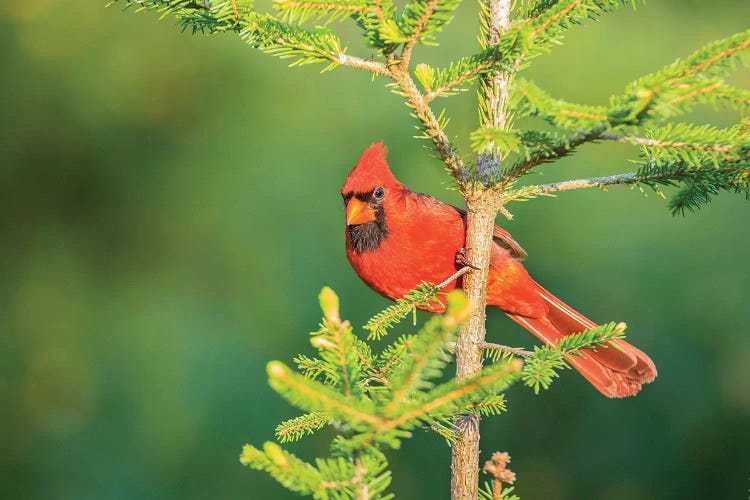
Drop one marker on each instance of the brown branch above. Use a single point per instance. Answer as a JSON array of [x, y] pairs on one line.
[[432, 94], [343, 59], [690, 95], [380, 374], [593, 182], [454, 276], [628, 178], [656, 143], [414, 37], [281, 374], [517, 351], [424, 113], [513, 350], [376, 67], [557, 152], [554, 18], [717, 57], [513, 367]]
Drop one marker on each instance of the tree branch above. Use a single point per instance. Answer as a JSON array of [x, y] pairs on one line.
[[518, 351], [656, 143], [512, 350], [414, 37], [432, 127], [628, 178], [376, 67], [556, 17], [726, 53], [557, 152]]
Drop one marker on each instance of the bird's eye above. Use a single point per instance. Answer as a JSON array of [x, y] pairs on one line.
[[379, 193]]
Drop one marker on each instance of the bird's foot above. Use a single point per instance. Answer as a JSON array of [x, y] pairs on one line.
[[463, 261]]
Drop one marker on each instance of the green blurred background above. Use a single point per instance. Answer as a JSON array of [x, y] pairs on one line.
[[169, 210]]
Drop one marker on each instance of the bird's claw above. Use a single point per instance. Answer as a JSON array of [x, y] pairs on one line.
[[463, 261]]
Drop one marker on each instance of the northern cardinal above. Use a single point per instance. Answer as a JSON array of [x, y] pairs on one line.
[[395, 239]]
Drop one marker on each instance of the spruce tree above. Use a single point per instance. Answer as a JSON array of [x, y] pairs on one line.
[[375, 400]]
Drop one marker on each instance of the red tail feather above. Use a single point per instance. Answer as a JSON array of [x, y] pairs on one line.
[[616, 373]]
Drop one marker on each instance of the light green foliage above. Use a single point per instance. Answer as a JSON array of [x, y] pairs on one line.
[[702, 160], [423, 19], [424, 295], [550, 19], [507, 141], [649, 101], [297, 428], [295, 12], [376, 400], [530, 100], [543, 365]]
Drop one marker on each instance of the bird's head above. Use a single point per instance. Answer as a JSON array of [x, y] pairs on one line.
[[368, 189]]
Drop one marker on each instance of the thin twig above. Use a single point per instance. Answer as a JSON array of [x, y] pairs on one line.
[[454, 276], [628, 178], [414, 37], [582, 137], [432, 94], [376, 67], [343, 59], [517, 351], [690, 95], [432, 127], [717, 57], [556, 17], [656, 143]]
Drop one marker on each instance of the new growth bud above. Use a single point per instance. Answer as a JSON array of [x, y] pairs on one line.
[[276, 369], [275, 454], [329, 303], [322, 343]]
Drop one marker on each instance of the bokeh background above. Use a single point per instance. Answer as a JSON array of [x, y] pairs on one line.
[[169, 210]]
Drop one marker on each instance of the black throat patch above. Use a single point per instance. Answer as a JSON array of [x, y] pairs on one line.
[[370, 235]]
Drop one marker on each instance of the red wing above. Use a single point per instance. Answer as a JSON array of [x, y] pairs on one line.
[[505, 240], [501, 236]]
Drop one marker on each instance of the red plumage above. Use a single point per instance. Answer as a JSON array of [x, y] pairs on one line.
[[399, 239]]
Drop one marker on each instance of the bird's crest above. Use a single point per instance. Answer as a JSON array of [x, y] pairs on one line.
[[370, 172]]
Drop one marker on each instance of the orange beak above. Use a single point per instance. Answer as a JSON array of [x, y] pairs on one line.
[[358, 212]]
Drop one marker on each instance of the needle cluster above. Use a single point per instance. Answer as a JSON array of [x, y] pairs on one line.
[[642, 115], [376, 400]]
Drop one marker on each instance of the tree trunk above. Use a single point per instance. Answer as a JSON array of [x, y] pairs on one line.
[[469, 351]]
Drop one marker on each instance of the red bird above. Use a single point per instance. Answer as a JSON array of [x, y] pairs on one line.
[[396, 239]]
